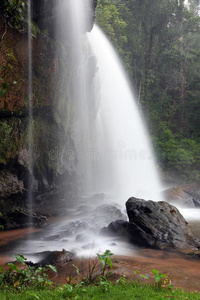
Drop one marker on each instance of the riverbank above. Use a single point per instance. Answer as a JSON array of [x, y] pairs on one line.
[[184, 270]]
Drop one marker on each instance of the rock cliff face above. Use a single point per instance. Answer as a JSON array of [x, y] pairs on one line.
[[52, 102]]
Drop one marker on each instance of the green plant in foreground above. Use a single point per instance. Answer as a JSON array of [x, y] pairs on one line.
[[105, 260], [141, 276], [121, 280], [28, 276], [104, 284], [162, 279], [131, 290]]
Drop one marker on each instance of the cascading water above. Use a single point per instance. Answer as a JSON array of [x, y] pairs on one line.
[[112, 151], [30, 111], [71, 28], [113, 155], [125, 154]]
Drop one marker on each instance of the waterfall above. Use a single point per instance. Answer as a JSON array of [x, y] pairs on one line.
[[30, 109], [71, 29], [126, 159], [113, 155], [112, 150]]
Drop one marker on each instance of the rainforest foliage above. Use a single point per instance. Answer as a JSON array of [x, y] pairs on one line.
[[159, 41]]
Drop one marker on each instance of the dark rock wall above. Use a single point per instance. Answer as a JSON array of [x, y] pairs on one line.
[[52, 105]]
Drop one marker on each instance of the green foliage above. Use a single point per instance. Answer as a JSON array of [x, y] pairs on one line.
[[130, 290], [104, 284], [110, 20], [162, 50], [105, 260], [32, 283], [121, 280], [176, 154], [141, 276], [11, 136], [15, 11], [162, 279], [24, 277]]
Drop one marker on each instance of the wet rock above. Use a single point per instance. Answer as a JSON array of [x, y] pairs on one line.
[[110, 212], [81, 238], [83, 208], [158, 224], [54, 258], [118, 228], [47, 21], [195, 193], [88, 246], [183, 196], [100, 196], [10, 184], [55, 237], [19, 219]]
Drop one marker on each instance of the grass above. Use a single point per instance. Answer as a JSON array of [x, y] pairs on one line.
[[32, 283], [126, 291]]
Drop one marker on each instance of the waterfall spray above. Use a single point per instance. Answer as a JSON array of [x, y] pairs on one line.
[[126, 158], [111, 150], [30, 109]]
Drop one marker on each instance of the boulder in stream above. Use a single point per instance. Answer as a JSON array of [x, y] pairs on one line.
[[154, 224], [159, 224]]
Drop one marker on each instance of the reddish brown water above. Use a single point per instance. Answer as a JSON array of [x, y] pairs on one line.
[[184, 270]]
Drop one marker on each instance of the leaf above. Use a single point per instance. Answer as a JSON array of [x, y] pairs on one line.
[[107, 253], [33, 295], [13, 267], [77, 269], [103, 262], [158, 277], [52, 268], [155, 271], [69, 288], [21, 259], [143, 276], [109, 262], [20, 255]]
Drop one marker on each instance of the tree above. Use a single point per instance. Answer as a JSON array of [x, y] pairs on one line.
[[163, 42], [110, 20]]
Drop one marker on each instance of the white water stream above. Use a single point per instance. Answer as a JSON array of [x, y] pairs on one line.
[[126, 160], [117, 160], [113, 150]]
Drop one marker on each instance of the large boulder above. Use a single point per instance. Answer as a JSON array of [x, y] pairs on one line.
[[158, 224], [153, 224]]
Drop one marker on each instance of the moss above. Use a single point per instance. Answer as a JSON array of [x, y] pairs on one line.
[[11, 136], [48, 140]]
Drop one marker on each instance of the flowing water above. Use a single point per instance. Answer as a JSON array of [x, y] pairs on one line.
[[126, 160], [112, 150], [114, 155], [30, 109]]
